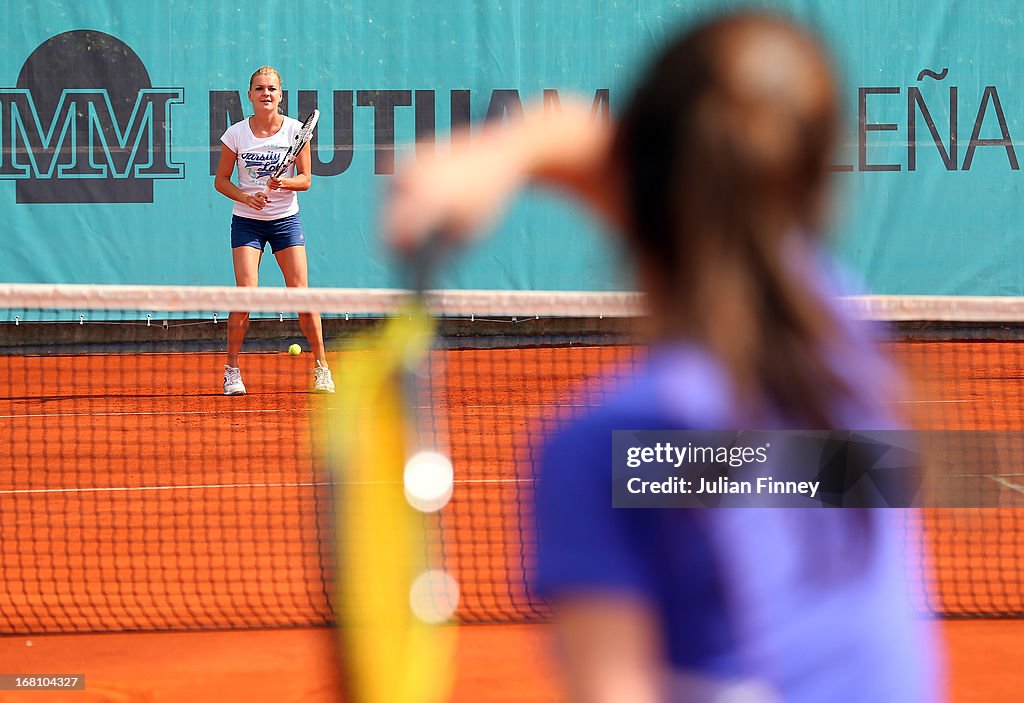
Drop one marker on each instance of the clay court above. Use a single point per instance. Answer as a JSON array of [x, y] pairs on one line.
[[182, 533]]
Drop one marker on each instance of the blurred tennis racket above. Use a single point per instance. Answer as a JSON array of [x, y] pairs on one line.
[[388, 478], [302, 138]]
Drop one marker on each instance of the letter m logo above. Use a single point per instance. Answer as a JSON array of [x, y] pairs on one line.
[[83, 152]]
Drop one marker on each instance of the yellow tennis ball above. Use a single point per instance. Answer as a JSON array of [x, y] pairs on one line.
[[295, 350]]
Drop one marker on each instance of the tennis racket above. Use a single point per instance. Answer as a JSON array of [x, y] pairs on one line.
[[388, 482], [301, 139]]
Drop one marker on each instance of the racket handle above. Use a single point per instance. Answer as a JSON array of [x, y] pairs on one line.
[[277, 174], [266, 189], [424, 260]]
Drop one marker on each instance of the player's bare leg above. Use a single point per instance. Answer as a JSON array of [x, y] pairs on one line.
[[247, 267], [296, 275], [295, 269]]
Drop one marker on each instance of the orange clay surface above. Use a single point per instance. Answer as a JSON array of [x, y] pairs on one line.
[[494, 664], [135, 496]]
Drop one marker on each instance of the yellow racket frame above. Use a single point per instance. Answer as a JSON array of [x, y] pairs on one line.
[[391, 656]]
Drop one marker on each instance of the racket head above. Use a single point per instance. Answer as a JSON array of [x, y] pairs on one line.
[[388, 652], [300, 140], [306, 131]]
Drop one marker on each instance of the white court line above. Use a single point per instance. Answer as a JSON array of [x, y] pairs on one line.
[[150, 414], [224, 486], [255, 411], [532, 405], [1009, 484], [977, 475], [125, 489], [931, 401]]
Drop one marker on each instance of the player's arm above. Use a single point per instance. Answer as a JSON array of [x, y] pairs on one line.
[[573, 150], [225, 186], [303, 177], [611, 648], [464, 191]]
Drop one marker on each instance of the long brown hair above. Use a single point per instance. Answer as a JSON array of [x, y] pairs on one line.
[[726, 146]]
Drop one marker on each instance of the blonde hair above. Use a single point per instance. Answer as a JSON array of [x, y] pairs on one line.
[[265, 71]]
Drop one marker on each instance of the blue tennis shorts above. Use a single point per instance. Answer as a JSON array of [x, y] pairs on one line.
[[280, 234]]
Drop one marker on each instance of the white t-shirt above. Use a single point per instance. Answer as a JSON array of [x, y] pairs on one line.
[[256, 162]]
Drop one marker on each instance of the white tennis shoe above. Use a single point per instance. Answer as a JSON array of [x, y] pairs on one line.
[[233, 381], [322, 381]]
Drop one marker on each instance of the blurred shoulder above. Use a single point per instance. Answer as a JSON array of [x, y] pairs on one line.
[[676, 388]]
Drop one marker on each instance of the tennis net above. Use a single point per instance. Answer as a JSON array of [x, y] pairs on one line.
[[136, 496]]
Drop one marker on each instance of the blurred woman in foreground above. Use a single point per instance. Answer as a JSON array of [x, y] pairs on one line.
[[717, 177]]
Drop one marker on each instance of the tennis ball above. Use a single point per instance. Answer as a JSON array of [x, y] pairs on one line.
[[295, 350]]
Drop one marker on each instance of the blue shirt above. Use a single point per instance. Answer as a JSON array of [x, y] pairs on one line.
[[810, 603]]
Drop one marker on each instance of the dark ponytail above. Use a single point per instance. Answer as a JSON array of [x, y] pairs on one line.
[[727, 159]]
